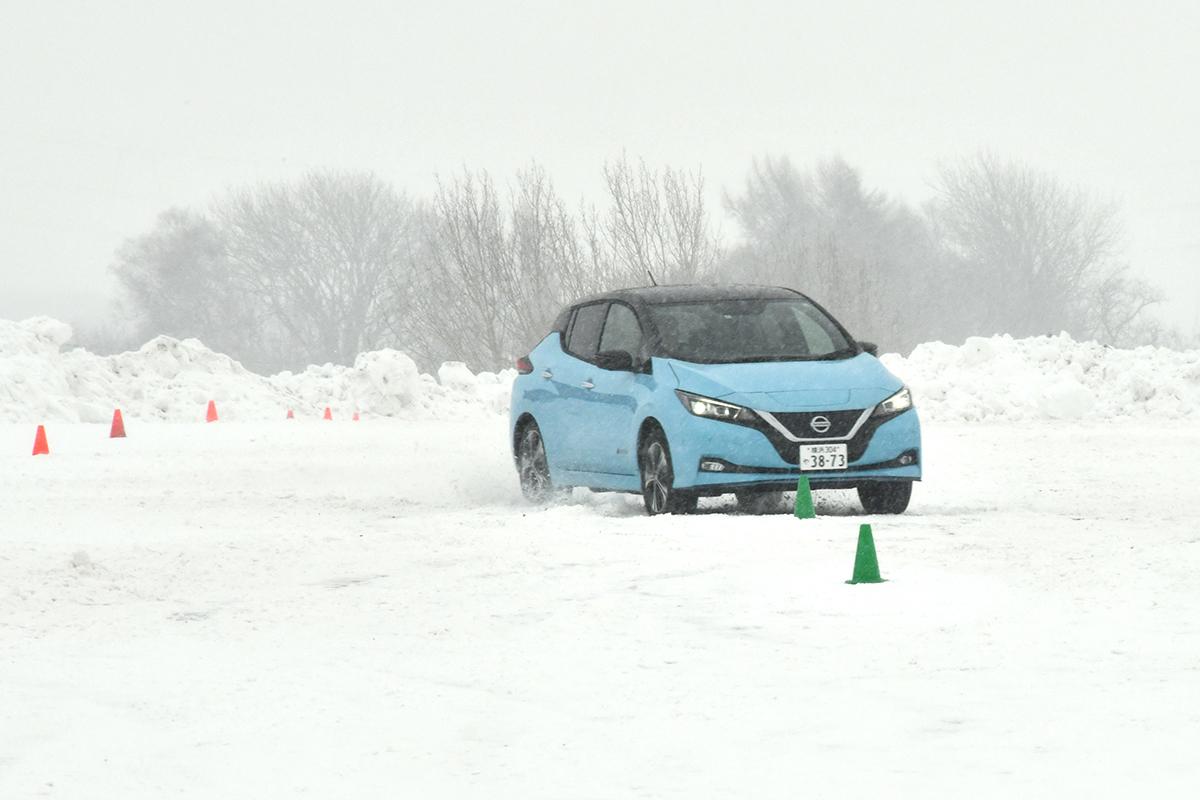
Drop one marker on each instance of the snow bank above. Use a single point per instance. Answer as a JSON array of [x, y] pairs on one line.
[[169, 379], [1047, 377]]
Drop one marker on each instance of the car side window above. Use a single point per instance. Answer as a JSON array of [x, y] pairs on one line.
[[621, 330], [583, 341]]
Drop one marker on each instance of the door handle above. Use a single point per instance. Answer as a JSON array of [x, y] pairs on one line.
[[547, 374], [588, 385]]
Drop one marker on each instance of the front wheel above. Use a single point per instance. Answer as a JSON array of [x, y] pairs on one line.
[[658, 479], [885, 497]]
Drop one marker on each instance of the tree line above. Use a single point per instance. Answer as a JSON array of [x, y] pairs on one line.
[[281, 275]]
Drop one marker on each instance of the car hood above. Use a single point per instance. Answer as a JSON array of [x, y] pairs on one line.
[[857, 382]]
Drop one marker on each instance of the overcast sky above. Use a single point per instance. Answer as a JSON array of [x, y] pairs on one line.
[[112, 112]]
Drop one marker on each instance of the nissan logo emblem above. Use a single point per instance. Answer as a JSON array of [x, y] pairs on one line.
[[820, 424]]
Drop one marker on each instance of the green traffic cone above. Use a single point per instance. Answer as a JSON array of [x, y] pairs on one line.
[[866, 563], [804, 501]]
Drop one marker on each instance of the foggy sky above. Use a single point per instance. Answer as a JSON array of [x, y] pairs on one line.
[[108, 115]]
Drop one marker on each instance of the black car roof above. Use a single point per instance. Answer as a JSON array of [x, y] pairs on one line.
[[689, 293]]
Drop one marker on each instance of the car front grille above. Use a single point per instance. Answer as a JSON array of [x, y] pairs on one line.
[[799, 423]]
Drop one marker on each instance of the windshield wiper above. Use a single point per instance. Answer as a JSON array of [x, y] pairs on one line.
[[837, 355], [698, 358]]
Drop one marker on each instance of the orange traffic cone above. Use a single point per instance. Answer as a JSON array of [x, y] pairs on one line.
[[328, 413], [290, 414], [118, 426], [211, 416], [40, 446]]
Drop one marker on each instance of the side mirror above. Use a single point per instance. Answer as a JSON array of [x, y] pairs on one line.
[[869, 347], [619, 360]]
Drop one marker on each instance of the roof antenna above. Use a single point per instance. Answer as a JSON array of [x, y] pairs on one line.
[[652, 281]]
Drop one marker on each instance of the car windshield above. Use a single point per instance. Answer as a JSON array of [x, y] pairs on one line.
[[728, 331]]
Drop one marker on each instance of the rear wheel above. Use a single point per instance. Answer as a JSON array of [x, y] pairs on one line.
[[759, 502], [532, 466], [658, 479], [885, 497]]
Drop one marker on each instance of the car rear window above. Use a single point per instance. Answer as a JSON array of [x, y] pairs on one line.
[[584, 338]]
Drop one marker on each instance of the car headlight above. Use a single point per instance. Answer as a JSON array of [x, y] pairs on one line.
[[900, 401], [713, 409]]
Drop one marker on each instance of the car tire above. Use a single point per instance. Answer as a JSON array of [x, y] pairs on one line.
[[759, 502], [533, 469], [885, 497], [658, 479]]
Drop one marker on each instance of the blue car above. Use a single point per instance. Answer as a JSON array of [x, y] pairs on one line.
[[679, 392]]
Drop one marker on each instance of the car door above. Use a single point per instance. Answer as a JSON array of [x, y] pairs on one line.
[[611, 397], [570, 380]]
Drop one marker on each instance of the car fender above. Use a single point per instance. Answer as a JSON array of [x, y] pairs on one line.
[[664, 406]]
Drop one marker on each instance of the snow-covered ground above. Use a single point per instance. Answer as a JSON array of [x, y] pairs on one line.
[[252, 610]]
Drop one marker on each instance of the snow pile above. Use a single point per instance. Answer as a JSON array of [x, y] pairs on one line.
[[37, 336], [1046, 377], [1049, 377], [388, 383], [173, 380]]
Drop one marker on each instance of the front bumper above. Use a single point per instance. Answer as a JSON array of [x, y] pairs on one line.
[[752, 459]]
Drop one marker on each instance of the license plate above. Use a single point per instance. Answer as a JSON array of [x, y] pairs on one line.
[[821, 457]]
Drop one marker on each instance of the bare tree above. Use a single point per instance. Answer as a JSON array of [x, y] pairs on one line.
[[175, 281], [1026, 250], [499, 265], [658, 223], [286, 274], [865, 256], [552, 266], [1116, 309], [460, 306], [777, 214], [316, 256]]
